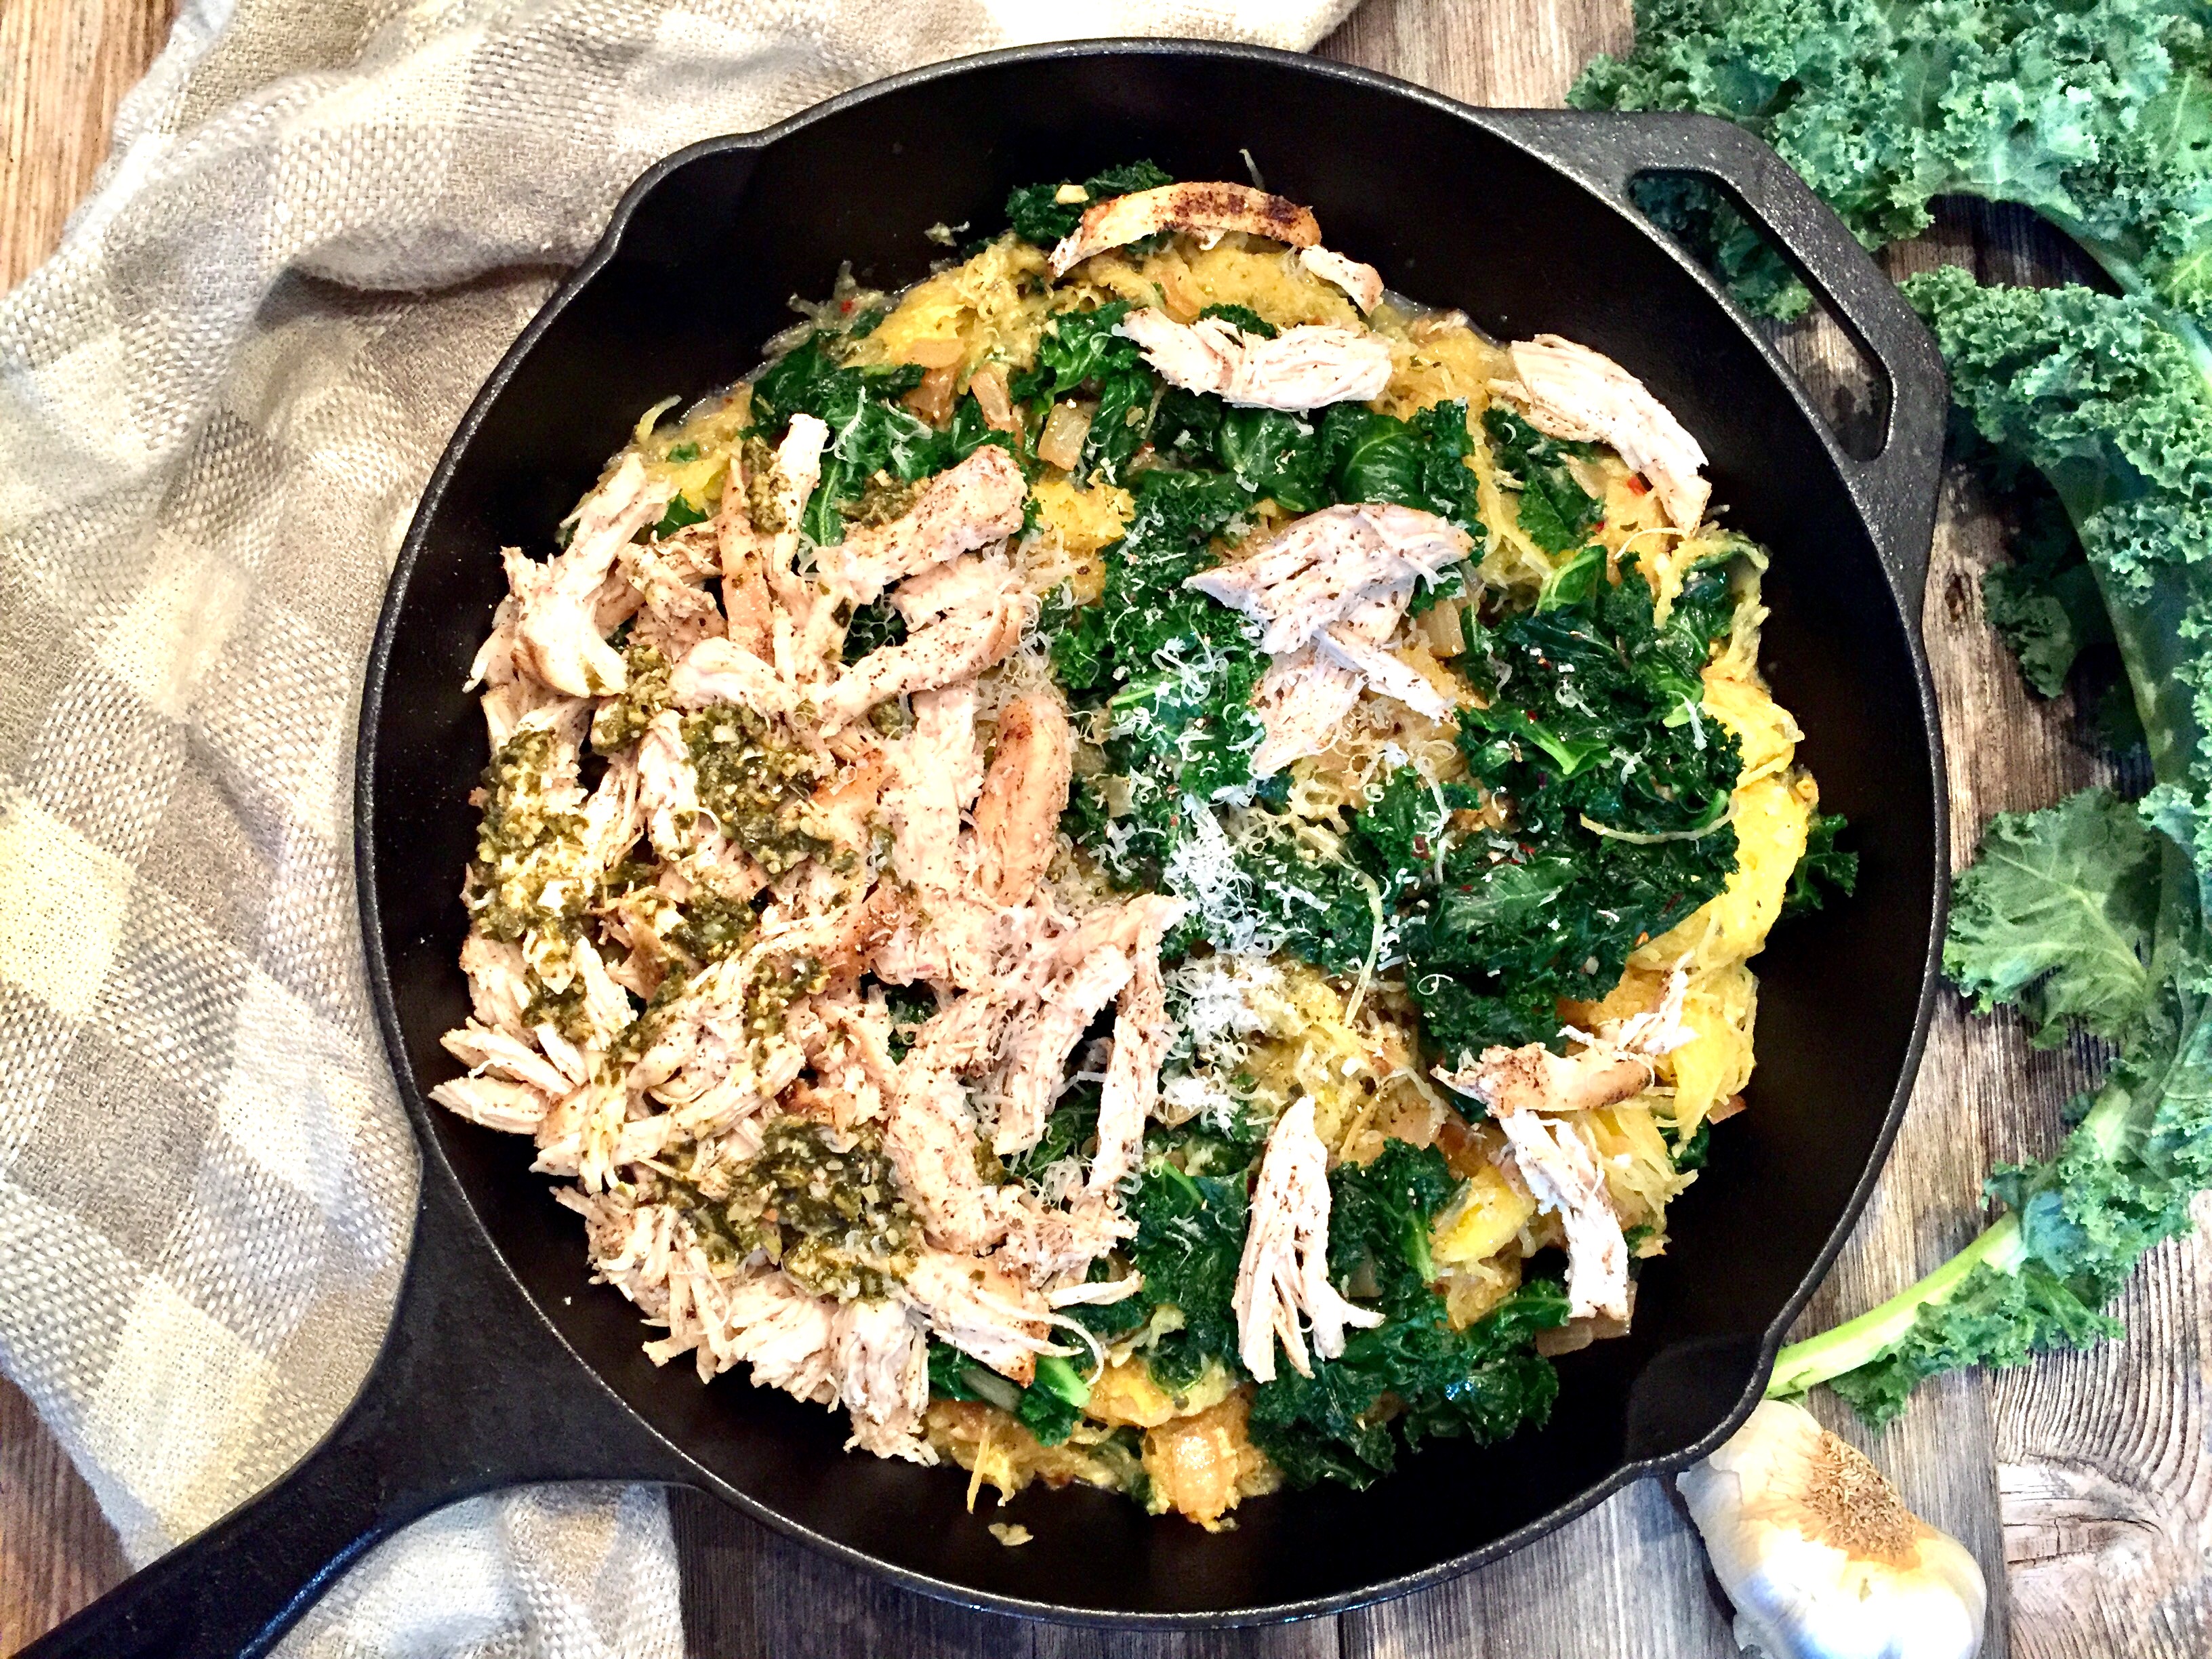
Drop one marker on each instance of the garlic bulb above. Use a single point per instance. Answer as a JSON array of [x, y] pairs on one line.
[[1819, 1554]]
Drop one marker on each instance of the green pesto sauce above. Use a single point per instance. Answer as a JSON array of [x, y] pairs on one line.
[[831, 1219], [757, 783], [525, 841], [884, 500], [622, 720], [762, 479], [713, 925]]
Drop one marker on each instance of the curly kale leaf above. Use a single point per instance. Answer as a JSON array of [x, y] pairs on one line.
[[1554, 509], [869, 431], [1080, 351], [2101, 395], [1420, 461], [1822, 868], [1175, 670], [1619, 785], [2058, 916], [1189, 1240], [1048, 1407], [1269, 454], [1039, 217], [2097, 114], [2075, 1225], [1413, 1376]]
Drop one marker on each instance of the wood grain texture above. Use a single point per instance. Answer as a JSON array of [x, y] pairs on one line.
[[56, 1550], [64, 65], [2083, 1484]]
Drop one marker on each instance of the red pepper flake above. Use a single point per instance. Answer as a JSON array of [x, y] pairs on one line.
[[1638, 486]]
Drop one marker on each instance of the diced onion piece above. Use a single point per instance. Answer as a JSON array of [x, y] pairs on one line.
[[934, 353], [1060, 444], [988, 383], [933, 399], [1440, 627]]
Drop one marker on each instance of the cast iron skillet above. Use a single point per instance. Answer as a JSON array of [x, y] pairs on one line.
[[505, 1364]]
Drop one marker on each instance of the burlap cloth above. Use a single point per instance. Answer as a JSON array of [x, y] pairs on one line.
[[322, 222]]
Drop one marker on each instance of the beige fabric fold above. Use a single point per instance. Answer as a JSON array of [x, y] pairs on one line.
[[323, 221]]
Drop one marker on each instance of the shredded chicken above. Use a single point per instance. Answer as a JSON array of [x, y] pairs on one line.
[[1040, 1051], [1571, 392], [1323, 568], [954, 647], [1201, 208], [1363, 284], [1283, 1287], [1535, 1098], [556, 636], [1309, 366], [1023, 793], [966, 507]]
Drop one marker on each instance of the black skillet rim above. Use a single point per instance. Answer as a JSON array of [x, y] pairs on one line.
[[436, 1166]]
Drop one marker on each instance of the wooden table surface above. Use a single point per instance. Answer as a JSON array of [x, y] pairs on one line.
[[2084, 1483]]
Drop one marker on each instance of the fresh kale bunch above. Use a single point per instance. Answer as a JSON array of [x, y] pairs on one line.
[[1413, 1376], [1038, 216], [2080, 913], [2088, 914], [2094, 112]]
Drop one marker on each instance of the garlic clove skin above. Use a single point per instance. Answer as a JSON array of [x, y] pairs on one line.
[[1819, 1554]]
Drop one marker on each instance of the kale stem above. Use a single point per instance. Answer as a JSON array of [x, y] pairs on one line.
[[1849, 1345]]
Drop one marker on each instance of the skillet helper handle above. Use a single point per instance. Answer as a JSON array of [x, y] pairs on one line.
[[1896, 488], [473, 1390]]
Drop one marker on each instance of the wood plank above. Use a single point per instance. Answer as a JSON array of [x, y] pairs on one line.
[[64, 65], [56, 1550]]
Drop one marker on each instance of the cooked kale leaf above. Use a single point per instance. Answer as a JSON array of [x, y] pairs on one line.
[[1554, 509], [1038, 217], [1413, 1376]]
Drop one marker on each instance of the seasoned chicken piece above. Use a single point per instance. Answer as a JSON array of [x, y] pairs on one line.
[[1559, 1164], [1342, 646], [681, 830], [1301, 702], [965, 584], [1131, 1091], [1284, 1274], [720, 670], [499, 983], [786, 1334], [1555, 1156], [956, 647], [983, 1310], [1038, 1058], [1364, 284], [676, 612], [1324, 567], [483, 1050], [965, 507], [934, 773], [556, 637], [747, 605], [1023, 793], [1531, 1079], [1052, 1247], [497, 1103], [1571, 392], [938, 937], [880, 1362], [1200, 208], [931, 1138], [1309, 366], [845, 803], [614, 816]]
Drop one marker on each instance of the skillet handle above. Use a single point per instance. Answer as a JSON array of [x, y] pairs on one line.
[[1895, 490], [471, 1390]]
